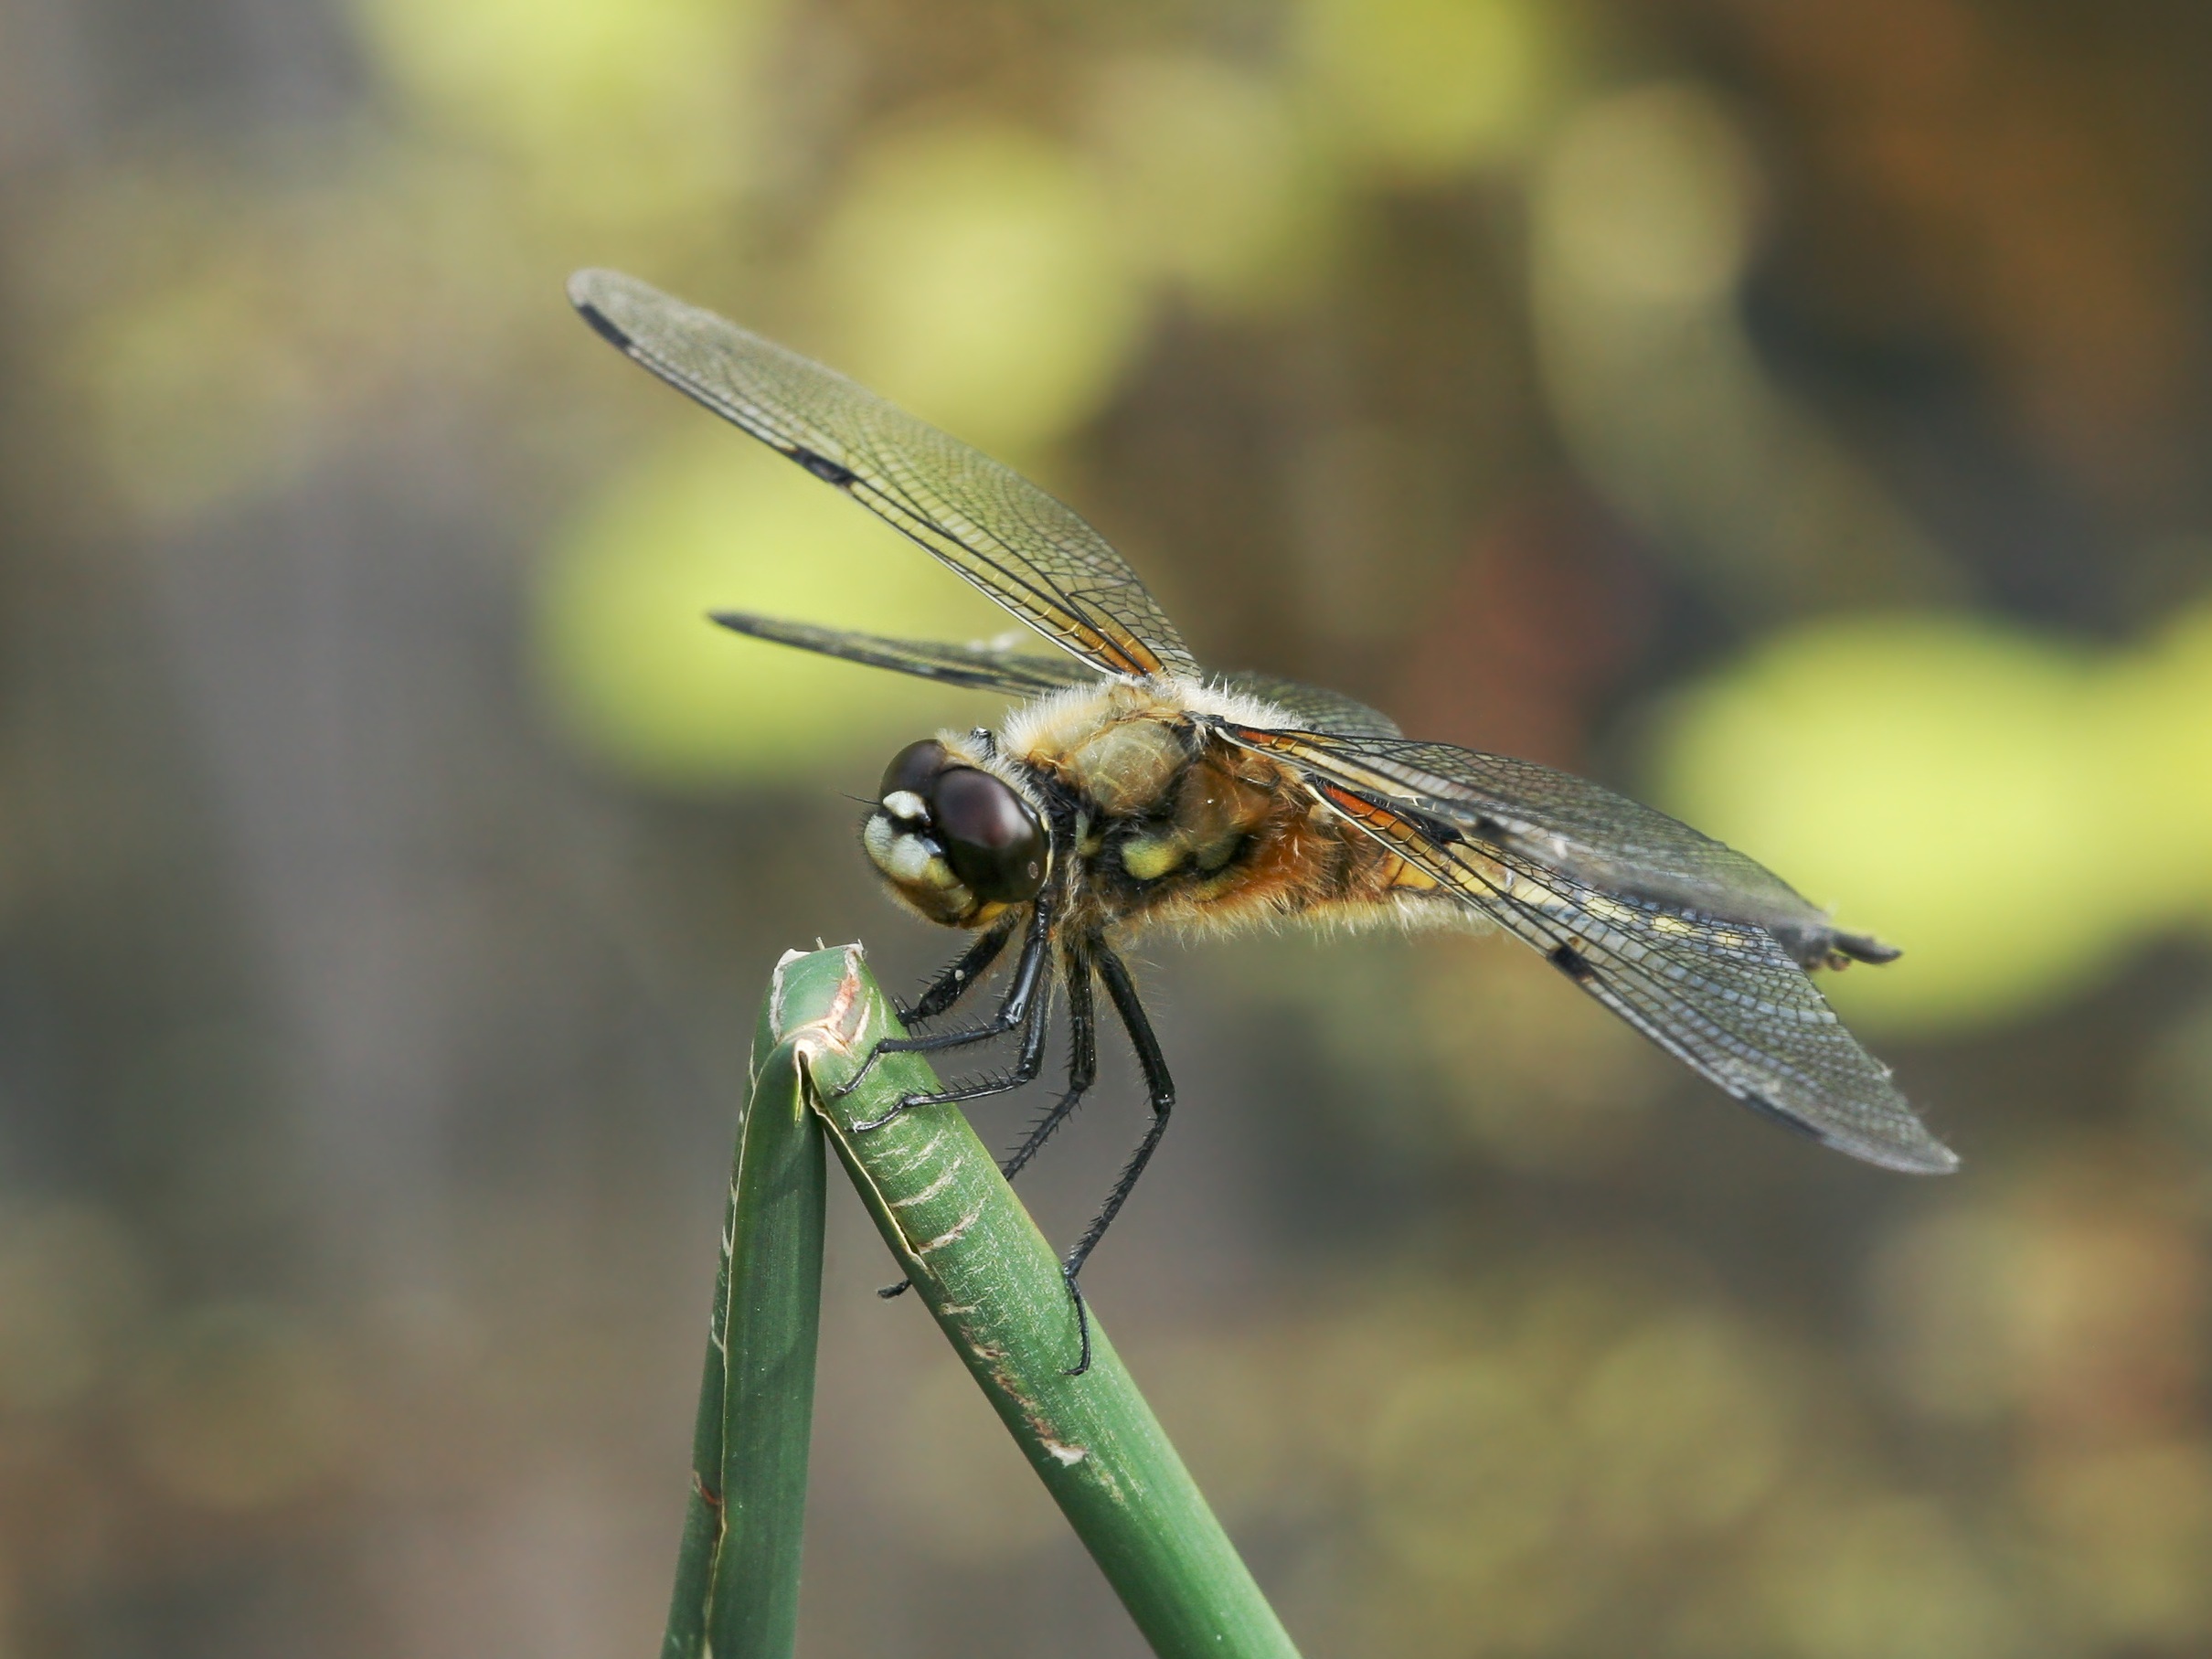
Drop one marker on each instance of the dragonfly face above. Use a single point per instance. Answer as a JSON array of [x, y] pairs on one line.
[[1132, 789], [957, 842]]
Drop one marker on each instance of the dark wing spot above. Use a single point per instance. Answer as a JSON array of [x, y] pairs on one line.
[[603, 326], [1437, 831], [1571, 962], [823, 468], [1434, 830], [1766, 1109]]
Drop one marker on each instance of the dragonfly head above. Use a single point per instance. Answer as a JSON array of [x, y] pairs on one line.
[[956, 842]]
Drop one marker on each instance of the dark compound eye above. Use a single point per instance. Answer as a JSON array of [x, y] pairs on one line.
[[994, 845], [914, 768]]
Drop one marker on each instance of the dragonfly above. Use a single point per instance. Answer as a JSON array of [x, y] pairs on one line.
[[1133, 790]]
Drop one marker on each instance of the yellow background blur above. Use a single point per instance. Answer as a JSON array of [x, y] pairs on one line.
[[1797, 415]]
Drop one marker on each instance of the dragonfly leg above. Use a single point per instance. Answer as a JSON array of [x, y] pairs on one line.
[[1161, 1088], [1031, 976], [1082, 1072], [962, 976], [1038, 1021], [1082, 1066]]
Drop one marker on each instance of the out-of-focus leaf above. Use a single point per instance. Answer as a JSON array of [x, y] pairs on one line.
[[636, 673], [2015, 812], [970, 272], [1422, 88], [1212, 183], [634, 103]]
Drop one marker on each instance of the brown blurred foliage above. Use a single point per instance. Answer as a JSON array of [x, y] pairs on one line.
[[390, 858]]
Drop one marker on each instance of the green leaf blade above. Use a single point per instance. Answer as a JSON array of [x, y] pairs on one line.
[[993, 1285], [737, 1585]]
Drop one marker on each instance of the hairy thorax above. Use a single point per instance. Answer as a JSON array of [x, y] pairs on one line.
[[1176, 826]]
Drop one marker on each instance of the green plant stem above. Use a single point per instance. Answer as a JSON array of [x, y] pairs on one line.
[[737, 1582], [994, 1287]]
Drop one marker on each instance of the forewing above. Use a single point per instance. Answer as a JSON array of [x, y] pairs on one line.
[[1316, 707], [1000, 531], [1568, 824], [980, 667], [1724, 997]]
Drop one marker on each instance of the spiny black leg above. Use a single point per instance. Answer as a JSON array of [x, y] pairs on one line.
[[1082, 1065], [957, 980], [1161, 1090], [1159, 1086], [1030, 974], [1082, 1072], [1025, 1067]]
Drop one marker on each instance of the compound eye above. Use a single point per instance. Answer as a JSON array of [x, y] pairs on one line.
[[914, 769], [994, 843]]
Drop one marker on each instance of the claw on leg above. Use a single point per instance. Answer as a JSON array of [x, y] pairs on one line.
[[903, 1101], [1082, 1322]]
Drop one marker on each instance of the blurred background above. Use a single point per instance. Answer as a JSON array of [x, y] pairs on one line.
[[1796, 415]]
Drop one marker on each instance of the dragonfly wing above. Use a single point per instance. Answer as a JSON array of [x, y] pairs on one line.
[[980, 667], [1026, 550], [1560, 821], [1725, 997], [1313, 706]]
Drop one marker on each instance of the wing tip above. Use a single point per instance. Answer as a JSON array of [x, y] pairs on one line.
[[1921, 1153], [1932, 1158], [1865, 948], [589, 291], [749, 624], [1923, 1156]]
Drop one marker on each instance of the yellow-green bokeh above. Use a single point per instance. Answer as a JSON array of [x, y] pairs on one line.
[[638, 676], [2015, 812], [637, 107], [969, 272], [1423, 88], [1213, 184]]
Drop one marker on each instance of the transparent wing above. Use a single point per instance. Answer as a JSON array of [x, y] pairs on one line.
[[981, 667], [1563, 823], [1316, 707], [1724, 997], [1003, 534]]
